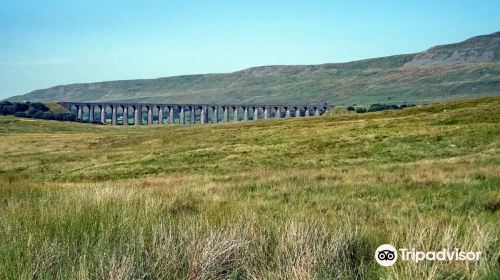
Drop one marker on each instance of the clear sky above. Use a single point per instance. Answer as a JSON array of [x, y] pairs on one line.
[[52, 42]]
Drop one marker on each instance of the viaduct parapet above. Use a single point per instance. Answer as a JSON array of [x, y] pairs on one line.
[[158, 113]]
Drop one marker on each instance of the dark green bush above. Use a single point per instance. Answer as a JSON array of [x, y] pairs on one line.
[[377, 107], [43, 115], [380, 107], [360, 109], [21, 107], [39, 106], [64, 116], [31, 112], [20, 114], [9, 110]]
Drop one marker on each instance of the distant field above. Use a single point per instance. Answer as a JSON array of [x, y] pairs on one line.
[[275, 199]]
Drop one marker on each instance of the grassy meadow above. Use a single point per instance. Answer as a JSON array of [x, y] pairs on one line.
[[273, 199]]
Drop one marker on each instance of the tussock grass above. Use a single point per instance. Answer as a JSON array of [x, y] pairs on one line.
[[287, 199]]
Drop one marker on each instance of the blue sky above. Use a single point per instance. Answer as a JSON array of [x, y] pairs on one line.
[[52, 42]]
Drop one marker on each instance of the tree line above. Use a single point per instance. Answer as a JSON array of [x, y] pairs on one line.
[[377, 107], [35, 110]]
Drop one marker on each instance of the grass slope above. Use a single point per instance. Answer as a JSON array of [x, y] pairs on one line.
[[276, 199], [56, 108], [456, 71]]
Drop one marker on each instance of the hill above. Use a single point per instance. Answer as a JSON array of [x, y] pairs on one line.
[[456, 71], [277, 199]]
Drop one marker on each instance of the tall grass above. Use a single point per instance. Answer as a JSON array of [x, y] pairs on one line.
[[102, 231]]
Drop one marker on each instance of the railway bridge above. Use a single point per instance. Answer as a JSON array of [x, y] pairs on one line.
[[125, 113]]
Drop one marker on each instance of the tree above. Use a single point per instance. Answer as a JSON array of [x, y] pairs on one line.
[[64, 116], [20, 114], [9, 110], [377, 107], [21, 107], [39, 106], [38, 114], [31, 112], [360, 109]]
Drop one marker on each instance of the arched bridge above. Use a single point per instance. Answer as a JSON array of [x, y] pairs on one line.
[[158, 113]]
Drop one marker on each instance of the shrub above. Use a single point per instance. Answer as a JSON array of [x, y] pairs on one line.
[[4, 104], [31, 112], [377, 107], [39, 106], [48, 116], [20, 114], [351, 108], [9, 110], [21, 107], [42, 115], [360, 109], [64, 116], [380, 107]]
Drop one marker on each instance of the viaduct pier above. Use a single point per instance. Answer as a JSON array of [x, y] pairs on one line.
[[117, 113]]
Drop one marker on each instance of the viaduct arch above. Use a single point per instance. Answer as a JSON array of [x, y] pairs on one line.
[[164, 113]]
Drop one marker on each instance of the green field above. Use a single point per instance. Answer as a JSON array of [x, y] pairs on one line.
[[273, 199]]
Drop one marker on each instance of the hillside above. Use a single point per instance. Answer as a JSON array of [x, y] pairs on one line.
[[462, 70], [277, 199]]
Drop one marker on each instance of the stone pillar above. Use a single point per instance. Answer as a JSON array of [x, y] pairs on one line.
[[203, 117], [171, 114], [215, 115], [192, 115], [138, 115], [91, 113], [160, 114], [225, 114], [245, 113], [235, 114], [79, 114], [150, 114], [287, 112], [306, 113], [316, 111], [278, 113], [125, 115], [255, 113], [297, 112], [182, 117], [266, 112], [113, 114], [103, 114]]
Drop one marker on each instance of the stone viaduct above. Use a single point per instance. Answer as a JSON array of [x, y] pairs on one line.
[[158, 113]]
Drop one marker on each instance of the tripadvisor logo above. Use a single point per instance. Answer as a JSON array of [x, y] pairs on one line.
[[387, 255]]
